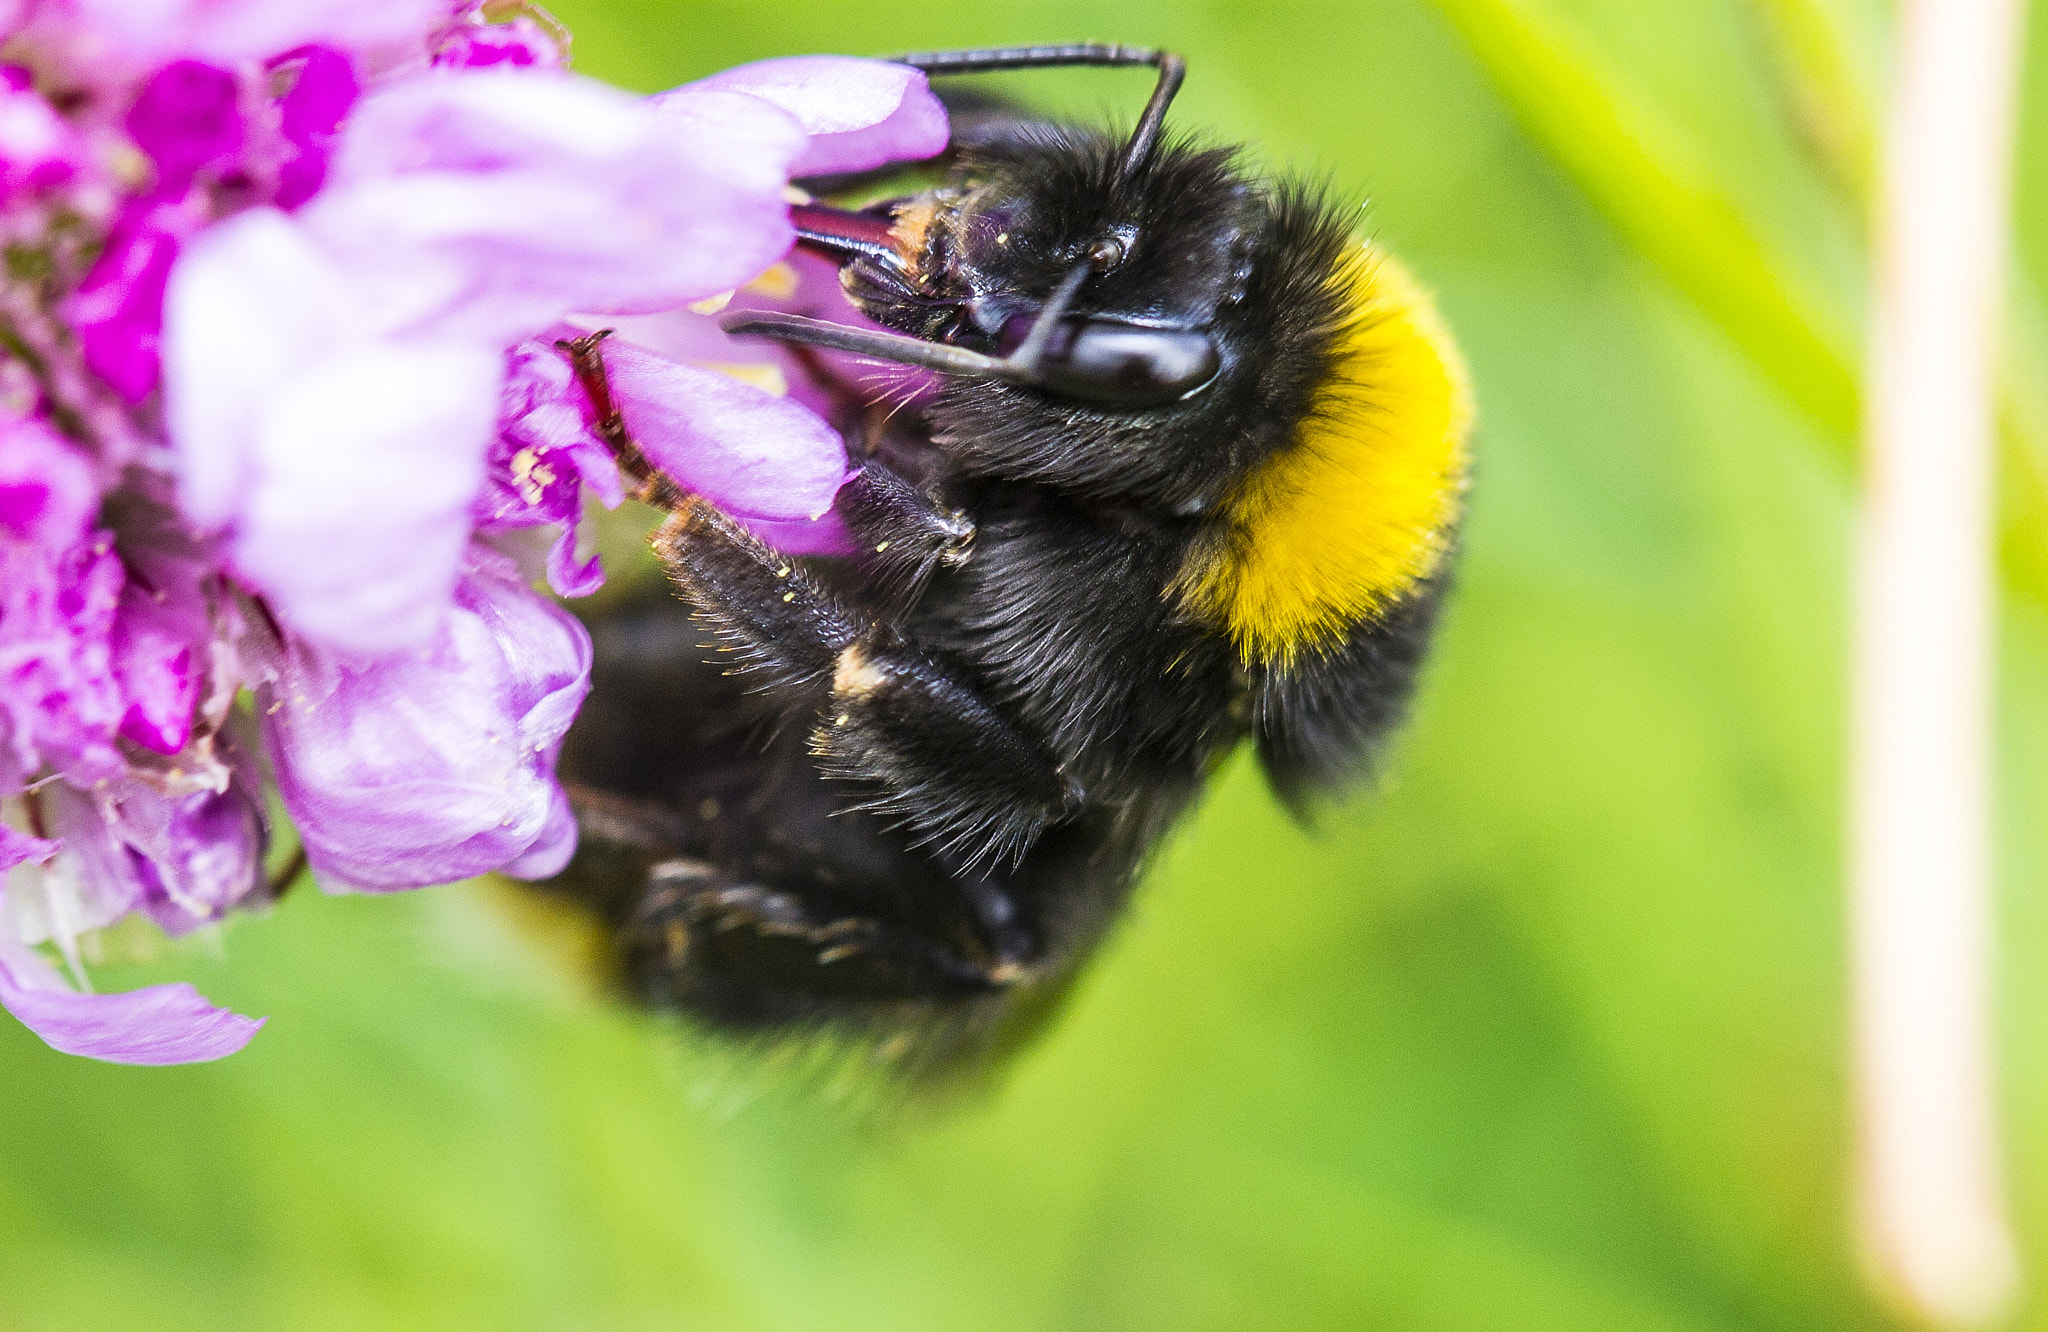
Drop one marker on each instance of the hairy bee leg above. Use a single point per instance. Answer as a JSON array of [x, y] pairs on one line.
[[950, 766], [761, 604], [620, 837], [701, 938], [948, 763], [902, 535]]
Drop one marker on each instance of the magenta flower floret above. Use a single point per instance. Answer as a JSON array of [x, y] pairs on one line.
[[188, 118], [324, 87], [281, 403]]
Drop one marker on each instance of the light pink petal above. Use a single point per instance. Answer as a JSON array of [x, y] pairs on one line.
[[820, 378], [17, 847], [488, 204], [859, 113], [252, 305], [342, 464], [160, 1024], [368, 468], [552, 849], [826, 535], [437, 765], [230, 31], [751, 453]]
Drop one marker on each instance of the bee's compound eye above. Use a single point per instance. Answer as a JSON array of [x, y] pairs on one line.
[[1126, 365]]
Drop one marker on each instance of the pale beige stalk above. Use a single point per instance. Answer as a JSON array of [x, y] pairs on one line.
[[1929, 1166]]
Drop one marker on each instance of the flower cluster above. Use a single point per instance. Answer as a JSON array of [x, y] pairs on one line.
[[281, 410]]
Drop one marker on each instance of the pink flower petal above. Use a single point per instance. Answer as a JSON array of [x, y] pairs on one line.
[[436, 765], [752, 454], [38, 148], [160, 1024], [118, 310], [231, 31], [859, 113], [372, 463], [188, 116], [324, 88], [520, 43], [18, 847], [252, 304], [489, 204], [343, 464], [156, 664], [825, 535], [47, 495]]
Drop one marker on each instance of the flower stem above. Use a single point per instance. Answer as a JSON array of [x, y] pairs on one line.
[[1933, 1207]]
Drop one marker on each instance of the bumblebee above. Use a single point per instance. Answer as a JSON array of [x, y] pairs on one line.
[[1192, 474]]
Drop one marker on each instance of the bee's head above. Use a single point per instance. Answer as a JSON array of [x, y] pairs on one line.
[[1177, 341], [1149, 260]]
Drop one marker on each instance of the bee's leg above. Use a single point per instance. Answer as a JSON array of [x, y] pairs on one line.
[[766, 611], [645, 482], [947, 763], [619, 838], [702, 938], [901, 534]]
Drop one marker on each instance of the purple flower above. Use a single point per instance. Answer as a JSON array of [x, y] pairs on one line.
[[762, 457], [464, 212], [273, 404], [519, 44], [438, 764], [543, 457], [165, 654], [157, 670], [60, 582], [185, 855], [335, 377]]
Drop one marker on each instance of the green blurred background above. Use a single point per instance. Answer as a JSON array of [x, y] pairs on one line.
[[1548, 1034]]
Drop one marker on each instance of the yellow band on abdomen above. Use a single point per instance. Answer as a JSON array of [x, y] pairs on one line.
[[1335, 528]]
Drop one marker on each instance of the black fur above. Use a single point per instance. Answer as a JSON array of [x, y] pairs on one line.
[[930, 788]]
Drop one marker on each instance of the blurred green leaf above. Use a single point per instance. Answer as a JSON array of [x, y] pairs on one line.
[[1640, 168]]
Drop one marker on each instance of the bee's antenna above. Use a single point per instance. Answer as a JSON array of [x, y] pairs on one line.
[[1172, 70]]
